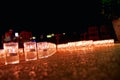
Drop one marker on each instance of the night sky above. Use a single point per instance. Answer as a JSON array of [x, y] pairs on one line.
[[56, 17]]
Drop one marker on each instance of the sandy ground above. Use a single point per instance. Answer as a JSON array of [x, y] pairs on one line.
[[96, 63]]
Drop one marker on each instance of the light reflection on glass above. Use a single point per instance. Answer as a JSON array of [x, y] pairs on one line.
[[45, 49], [2, 57], [30, 51], [11, 53]]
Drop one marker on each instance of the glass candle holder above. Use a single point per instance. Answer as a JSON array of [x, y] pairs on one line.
[[30, 51], [2, 57], [11, 53], [21, 54], [45, 49]]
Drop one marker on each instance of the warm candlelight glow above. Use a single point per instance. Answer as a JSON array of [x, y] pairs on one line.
[[11, 53], [2, 57], [2, 53], [21, 54], [103, 42], [45, 49], [30, 51], [81, 45]]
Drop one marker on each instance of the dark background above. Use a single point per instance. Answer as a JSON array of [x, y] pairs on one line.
[[55, 16], [49, 17], [72, 17]]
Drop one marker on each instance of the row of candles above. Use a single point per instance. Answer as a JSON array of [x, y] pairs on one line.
[[36, 50], [86, 44], [31, 51]]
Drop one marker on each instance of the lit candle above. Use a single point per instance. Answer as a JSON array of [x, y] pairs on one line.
[[30, 51], [11, 53], [45, 49]]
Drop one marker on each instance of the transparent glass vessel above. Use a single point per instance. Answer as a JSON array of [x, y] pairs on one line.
[[30, 51], [11, 53], [2, 57], [45, 49]]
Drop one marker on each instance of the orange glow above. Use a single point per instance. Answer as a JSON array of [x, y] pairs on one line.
[[30, 51], [45, 49], [11, 53], [102, 42], [2, 55], [80, 45], [38, 50]]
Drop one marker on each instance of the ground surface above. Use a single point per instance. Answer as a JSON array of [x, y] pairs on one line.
[[100, 63]]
